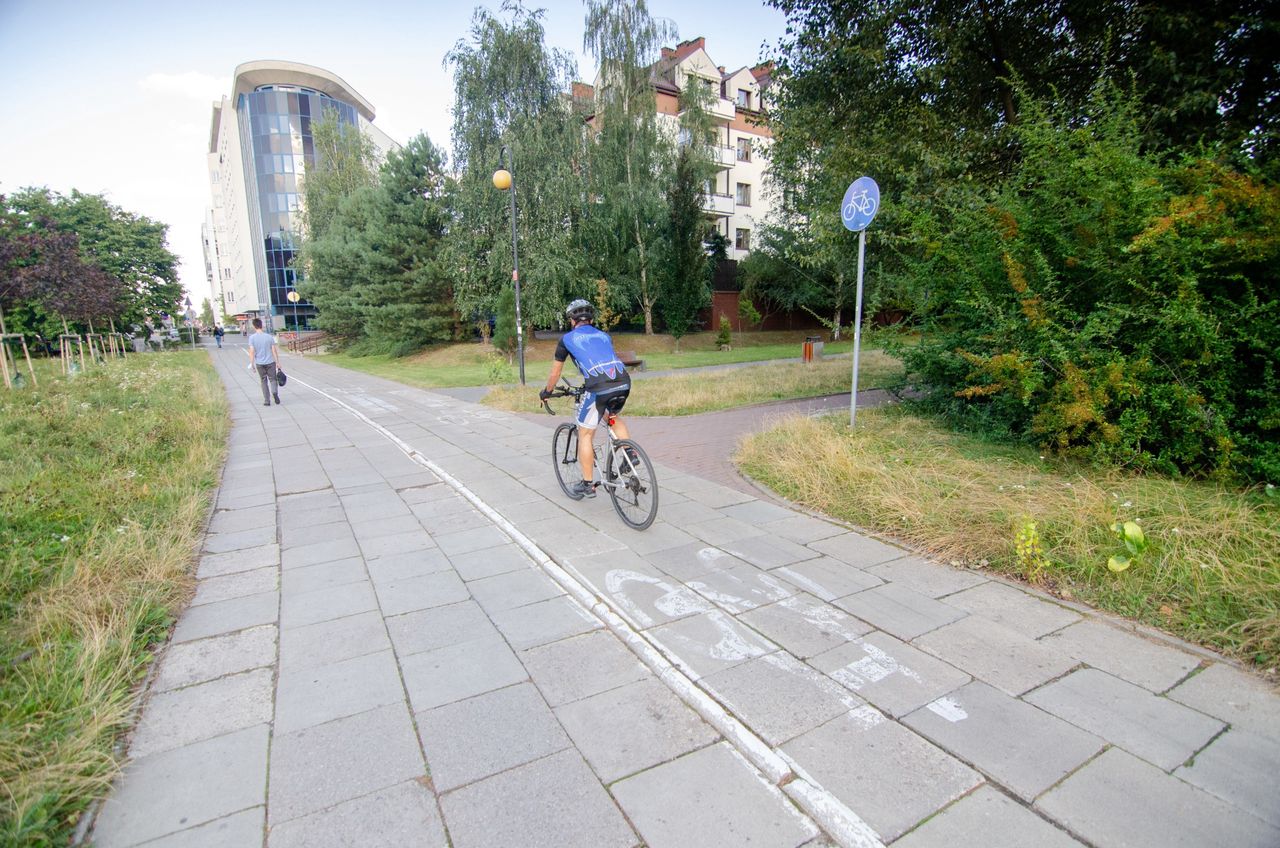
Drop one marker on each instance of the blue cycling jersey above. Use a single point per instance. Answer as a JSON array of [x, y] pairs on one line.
[[593, 353]]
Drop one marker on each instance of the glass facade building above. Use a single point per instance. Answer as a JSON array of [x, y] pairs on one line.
[[277, 149]]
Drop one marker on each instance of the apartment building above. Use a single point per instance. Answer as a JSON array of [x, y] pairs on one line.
[[260, 149], [735, 199]]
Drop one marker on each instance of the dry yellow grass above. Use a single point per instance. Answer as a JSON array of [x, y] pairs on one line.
[[81, 614], [1211, 573], [686, 394]]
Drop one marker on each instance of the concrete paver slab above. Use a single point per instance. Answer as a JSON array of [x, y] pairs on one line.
[[315, 768], [581, 666], [802, 528], [227, 616], [711, 642], [1233, 696], [827, 578], [986, 819], [555, 802], [221, 543], [186, 663], [474, 539], [545, 621], [514, 589], [805, 626], [242, 828], [314, 553], [1025, 749], [1120, 800], [658, 727], [780, 697], [332, 641], [175, 790], [183, 716], [440, 627], [888, 775], [214, 565], [404, 814], [889, 673], [926, 577], [1013, 608], [237, 585], [1125, 655], [235, 520], [1158, 730], [414, 540], [326, 604], [326, 575], [293, 535], [898, 610], [722, 530], [1004, 658], [756, 512], [320, 693], [692, 561], [408, 594], [768, 551], [472, 739], [738, 588], [710, 798], [1239, 767], [856, 549], [385, 569], [445, 675], [489, 562]]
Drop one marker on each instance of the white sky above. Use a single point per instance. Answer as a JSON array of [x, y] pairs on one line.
[[114, 96]]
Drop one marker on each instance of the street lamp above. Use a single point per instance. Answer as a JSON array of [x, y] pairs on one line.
[[191, 322], [294, 298], [504, 179]]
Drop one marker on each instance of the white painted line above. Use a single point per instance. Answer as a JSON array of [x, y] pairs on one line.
[[839, 821]]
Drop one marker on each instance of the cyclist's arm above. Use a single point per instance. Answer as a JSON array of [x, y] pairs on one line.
[[554, 377]]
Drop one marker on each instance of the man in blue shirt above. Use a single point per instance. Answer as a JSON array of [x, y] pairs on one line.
[[265, 356], [605, 378]]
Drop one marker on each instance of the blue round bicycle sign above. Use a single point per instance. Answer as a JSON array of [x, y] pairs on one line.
[[860, 204]]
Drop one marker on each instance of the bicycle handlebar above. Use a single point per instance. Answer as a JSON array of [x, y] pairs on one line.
[[567, 390]]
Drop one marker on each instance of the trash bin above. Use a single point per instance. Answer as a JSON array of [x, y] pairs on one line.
[[806, 351], [813, 348]]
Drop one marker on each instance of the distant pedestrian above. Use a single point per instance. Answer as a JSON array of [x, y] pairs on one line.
[[218, 333], [265, 356]]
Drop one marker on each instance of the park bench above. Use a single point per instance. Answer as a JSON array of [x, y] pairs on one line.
[[631, 359]]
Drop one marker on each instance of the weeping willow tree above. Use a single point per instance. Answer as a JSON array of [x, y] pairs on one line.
[[510, 92], [631, 158]]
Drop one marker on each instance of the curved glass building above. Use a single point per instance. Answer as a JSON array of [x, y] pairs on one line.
[[257, 163]]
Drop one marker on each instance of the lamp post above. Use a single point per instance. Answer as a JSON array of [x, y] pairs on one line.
[[294, 298], [504, 179], [191, 322]]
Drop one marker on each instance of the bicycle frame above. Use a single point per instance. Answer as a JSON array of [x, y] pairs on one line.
[[576, 392]]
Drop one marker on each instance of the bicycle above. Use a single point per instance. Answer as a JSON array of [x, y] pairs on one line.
[[628, 474]]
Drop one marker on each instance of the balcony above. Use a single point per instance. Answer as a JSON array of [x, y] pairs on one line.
[[725, 157], [720, 109], [718, 204]]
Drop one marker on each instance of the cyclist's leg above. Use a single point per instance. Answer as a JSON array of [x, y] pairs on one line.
[[588, 419]]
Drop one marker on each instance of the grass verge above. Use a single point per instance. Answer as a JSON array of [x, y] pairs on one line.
[[104, 484], [474, 364], [1211, 573], [687, 394]]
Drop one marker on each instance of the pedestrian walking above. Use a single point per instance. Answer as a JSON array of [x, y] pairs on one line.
[[265, 357], [218, 333]]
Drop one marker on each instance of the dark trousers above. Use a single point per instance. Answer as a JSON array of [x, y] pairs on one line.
[[265, 373]]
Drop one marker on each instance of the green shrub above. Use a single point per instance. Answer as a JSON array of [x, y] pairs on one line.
[[1108, 305]]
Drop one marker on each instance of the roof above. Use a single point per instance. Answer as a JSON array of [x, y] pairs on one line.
[[250, 75]]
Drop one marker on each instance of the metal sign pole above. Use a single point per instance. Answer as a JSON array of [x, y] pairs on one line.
[[857, 331]]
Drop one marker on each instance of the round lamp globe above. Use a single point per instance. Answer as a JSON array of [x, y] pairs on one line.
[[502, 179]]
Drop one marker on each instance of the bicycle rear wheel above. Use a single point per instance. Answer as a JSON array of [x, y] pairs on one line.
[[633, 486], [564, 458]]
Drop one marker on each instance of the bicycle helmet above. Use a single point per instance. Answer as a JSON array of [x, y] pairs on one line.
[[580, 310]]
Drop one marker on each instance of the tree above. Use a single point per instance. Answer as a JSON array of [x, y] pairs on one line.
[[126, 247], [345, 161], [509, 91], [504, 324], [206, 313], [687, 290], [630, 157]]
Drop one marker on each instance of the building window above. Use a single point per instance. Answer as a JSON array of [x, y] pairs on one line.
[[743, 197], [744, 150], [744, 99], [742, 239]]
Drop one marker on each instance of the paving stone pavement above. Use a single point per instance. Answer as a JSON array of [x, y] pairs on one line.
[[372, 658]]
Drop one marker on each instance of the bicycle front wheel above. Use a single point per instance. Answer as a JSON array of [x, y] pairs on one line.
[[564, 458], [633, 485]]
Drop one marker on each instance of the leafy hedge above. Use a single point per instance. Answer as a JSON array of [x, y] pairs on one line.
[[1107, 304]]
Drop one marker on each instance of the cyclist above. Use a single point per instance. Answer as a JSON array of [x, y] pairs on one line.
[[604, 377]]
